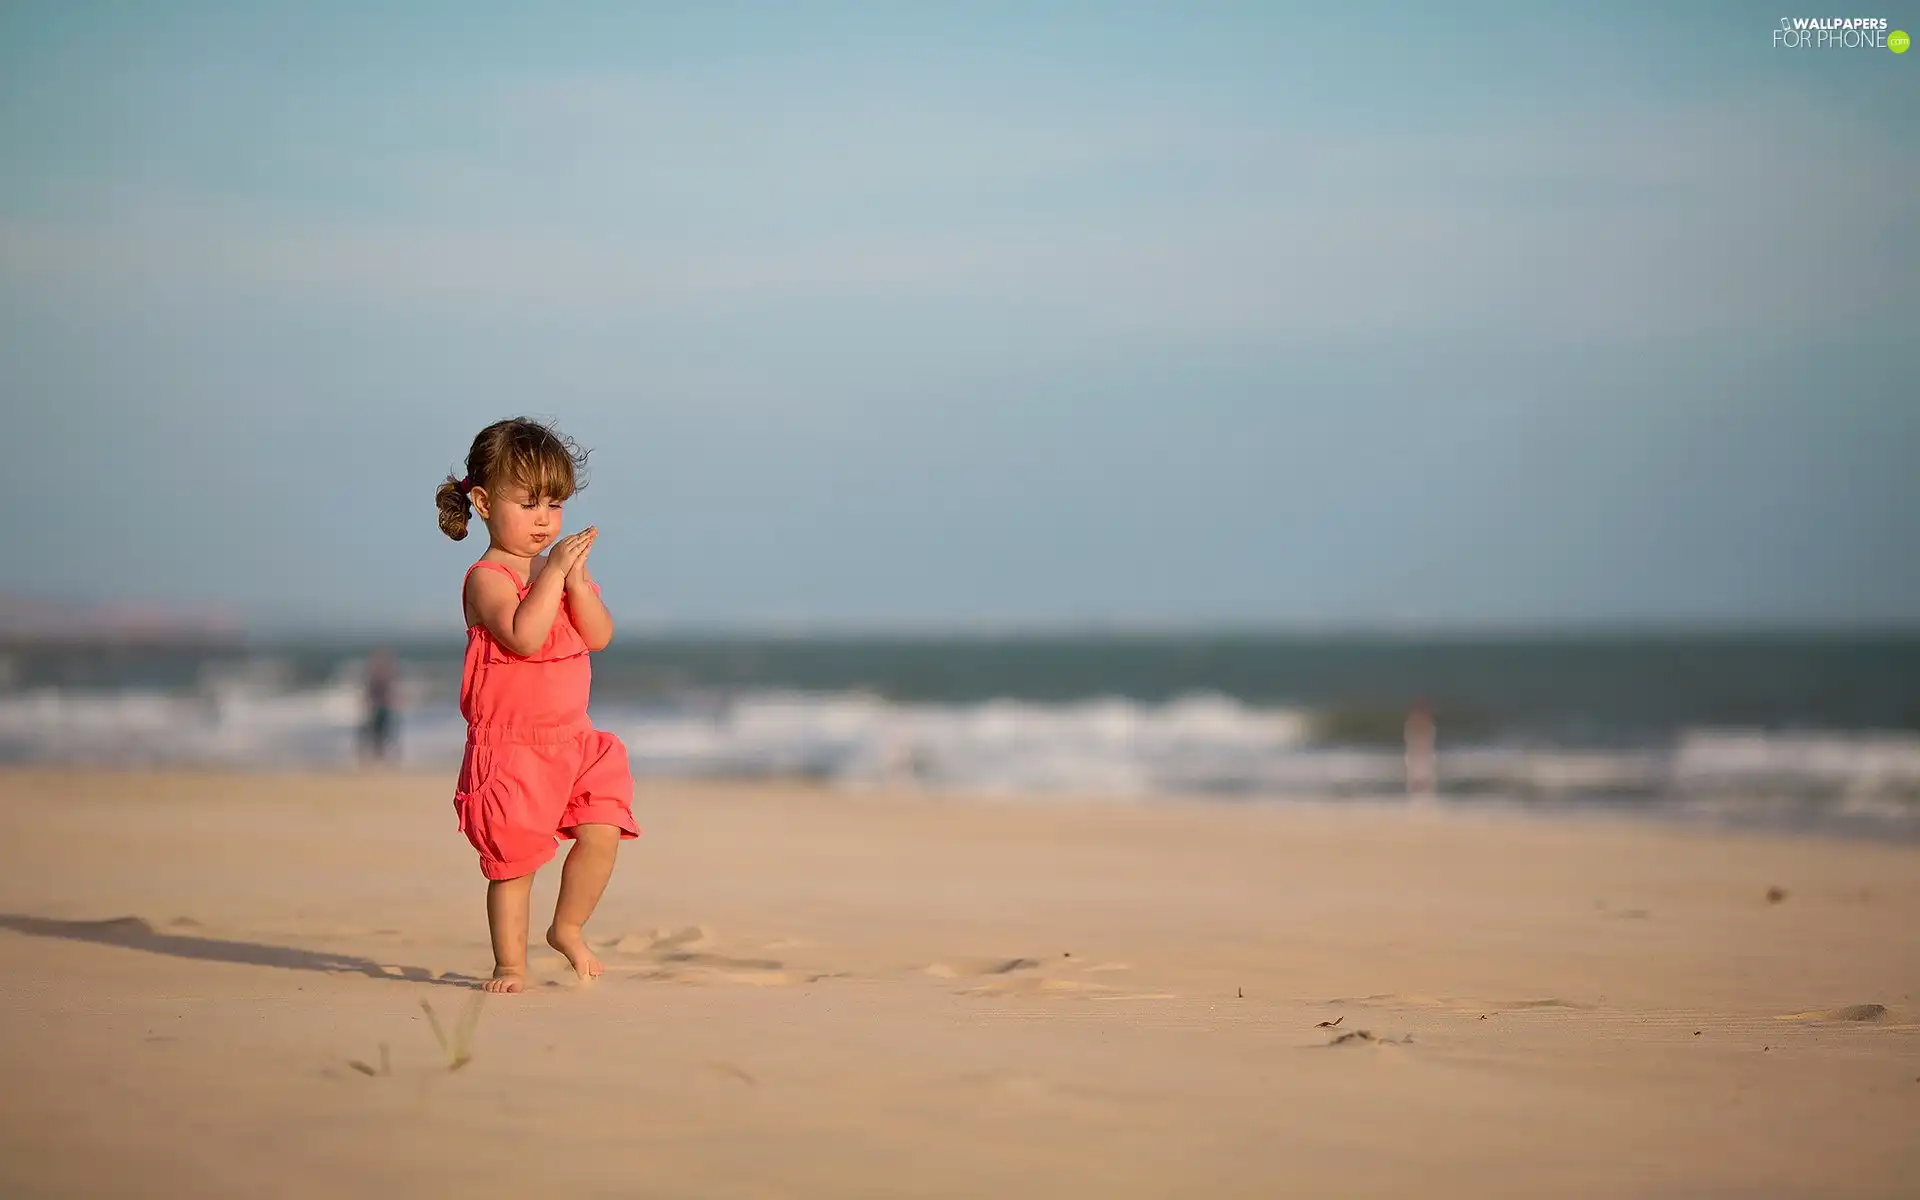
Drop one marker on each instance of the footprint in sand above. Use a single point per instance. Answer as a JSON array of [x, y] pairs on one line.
[[964, 968], [1458, 1003], [1859, 1013], [1033, 985], [1365, 1037], [692, 955], [1024, 977], [1390, 1000]]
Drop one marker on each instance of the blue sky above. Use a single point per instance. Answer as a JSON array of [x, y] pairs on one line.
[[1502, 315]]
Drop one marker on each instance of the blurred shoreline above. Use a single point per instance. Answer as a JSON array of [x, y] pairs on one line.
[[1813, 732]]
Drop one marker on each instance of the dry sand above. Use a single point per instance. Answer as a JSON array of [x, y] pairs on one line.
[[216, 985]]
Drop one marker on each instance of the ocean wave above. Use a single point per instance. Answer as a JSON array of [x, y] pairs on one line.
[[1872, 762], [1201, 744]]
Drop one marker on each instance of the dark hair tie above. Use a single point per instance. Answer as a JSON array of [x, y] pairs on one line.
[[465, 485]]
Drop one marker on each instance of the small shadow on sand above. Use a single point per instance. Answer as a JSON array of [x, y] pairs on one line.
[[135, 934]]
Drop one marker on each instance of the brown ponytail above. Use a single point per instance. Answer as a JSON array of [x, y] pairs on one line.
[[451, 499]]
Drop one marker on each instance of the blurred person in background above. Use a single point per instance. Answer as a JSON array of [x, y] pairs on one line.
[[1422, 780], [376, 735]]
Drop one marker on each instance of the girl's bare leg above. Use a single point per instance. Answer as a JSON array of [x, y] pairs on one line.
[[582, 880], [507, 920]]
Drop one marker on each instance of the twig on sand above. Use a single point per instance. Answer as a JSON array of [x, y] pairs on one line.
[[459, 1048], [386, 1064]]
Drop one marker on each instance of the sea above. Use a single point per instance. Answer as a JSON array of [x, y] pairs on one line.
[[1793, 731]]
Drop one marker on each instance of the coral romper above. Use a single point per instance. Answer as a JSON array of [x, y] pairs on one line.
[[535, 766]]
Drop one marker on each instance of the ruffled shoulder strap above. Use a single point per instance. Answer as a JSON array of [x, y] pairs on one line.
[[498, 566]]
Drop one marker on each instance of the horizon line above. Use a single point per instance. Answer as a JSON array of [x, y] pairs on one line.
[[668, 629]]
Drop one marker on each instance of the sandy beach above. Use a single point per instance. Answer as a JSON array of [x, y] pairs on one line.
[[229, 985]]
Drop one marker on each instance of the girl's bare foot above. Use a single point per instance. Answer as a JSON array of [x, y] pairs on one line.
[[507, 927], [573, 944]]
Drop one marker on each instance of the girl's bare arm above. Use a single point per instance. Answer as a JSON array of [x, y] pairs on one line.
[[590, 615], [522, 626]]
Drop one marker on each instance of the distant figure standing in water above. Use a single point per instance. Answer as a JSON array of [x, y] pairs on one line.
[[377, 734], [1422, 781]]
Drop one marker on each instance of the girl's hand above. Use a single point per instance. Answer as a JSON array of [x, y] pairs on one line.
[[577, 573], [570, 549]]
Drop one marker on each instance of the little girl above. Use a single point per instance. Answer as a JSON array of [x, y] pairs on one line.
[[536, 769]]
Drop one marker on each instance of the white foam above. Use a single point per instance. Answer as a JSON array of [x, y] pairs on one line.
[[1865, 761], [1205, 744]]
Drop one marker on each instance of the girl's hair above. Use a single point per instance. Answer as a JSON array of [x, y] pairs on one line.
[[520, 451]]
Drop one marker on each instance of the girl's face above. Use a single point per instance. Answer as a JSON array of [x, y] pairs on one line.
[[520, 522]]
